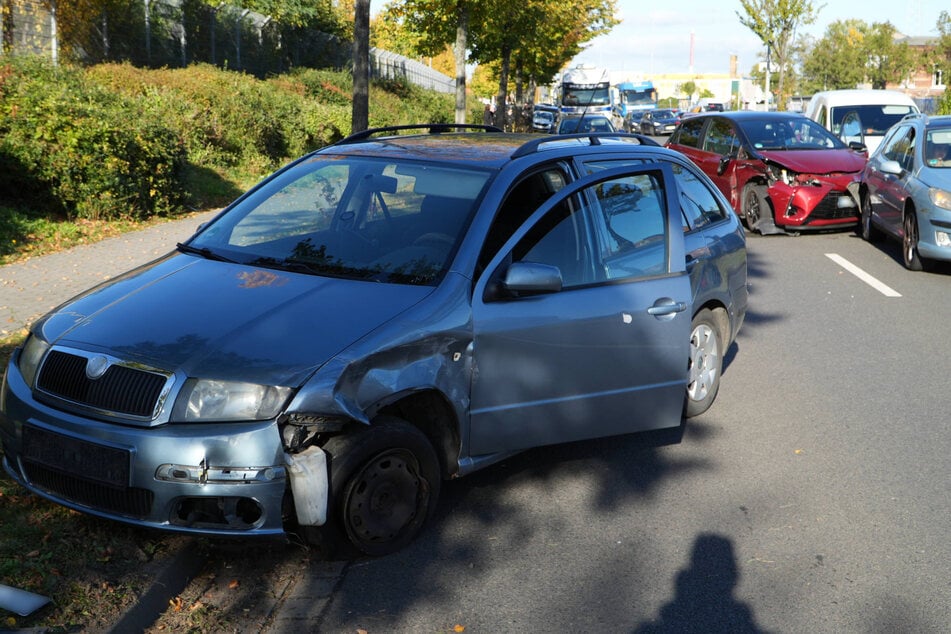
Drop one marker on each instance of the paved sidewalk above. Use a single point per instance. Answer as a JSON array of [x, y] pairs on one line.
[[31, 288]]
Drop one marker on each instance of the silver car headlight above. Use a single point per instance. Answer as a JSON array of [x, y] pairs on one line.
[[940, 197], [30, 358], [207, 400]]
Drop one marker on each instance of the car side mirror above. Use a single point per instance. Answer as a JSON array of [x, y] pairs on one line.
[[531, 278], [725, 162], [891, 167], [856, 146]]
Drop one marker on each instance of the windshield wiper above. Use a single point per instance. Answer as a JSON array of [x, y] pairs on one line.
[[204, 252]]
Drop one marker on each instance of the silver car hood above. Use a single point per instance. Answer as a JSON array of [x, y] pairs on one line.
[[222, 320]]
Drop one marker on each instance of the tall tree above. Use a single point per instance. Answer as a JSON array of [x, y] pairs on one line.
[[361, 66], [539, 35], [837, 59], [852, 52], [888, 61], [775, 22]]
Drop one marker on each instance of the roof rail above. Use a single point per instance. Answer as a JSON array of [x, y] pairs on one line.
[[594, 138], [431, 128]]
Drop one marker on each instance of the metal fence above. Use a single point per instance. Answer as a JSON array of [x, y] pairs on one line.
[[391, 66], [157, 33]]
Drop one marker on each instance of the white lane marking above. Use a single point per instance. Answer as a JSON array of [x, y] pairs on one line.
[[882, 288]]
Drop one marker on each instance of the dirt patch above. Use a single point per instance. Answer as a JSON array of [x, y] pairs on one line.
[[237, 589]]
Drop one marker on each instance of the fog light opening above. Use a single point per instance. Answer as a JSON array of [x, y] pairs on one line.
[[942, 239], [237, 513]]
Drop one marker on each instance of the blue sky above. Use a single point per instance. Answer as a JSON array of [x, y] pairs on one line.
[[657, 40]]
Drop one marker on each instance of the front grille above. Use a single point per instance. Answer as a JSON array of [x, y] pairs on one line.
[[131, 502], [121, 390], [828, 208]]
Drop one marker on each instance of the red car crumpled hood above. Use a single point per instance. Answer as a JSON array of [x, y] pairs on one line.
[[816, 161]]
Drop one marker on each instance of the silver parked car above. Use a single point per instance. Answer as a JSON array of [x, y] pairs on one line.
[[381, 315], [906, 190]]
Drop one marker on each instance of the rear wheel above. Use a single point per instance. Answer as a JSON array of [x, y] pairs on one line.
[[384, 484], [909, 244], [705, 364]]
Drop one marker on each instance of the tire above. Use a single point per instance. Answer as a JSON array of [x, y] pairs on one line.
[[868, 231], [384, 485], [756, 208], [909, 245], [705, 364]]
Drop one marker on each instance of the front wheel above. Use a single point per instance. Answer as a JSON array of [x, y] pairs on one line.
[[909, 245], [756, 210], [870, 233], [705, 364], [384, 484]]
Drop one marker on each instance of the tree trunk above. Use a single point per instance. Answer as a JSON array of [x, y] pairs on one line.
[[361, 67], [459, 51], [501, 107]]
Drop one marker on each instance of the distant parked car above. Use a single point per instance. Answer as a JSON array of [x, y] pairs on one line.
[[780, 170], [585, 123], [658, 122], [906, 190]]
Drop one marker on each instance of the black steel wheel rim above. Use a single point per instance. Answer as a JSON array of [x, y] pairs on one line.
[[386, 498]]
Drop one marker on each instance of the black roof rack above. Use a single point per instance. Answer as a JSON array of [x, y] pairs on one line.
[[594, 138], [431, 128]]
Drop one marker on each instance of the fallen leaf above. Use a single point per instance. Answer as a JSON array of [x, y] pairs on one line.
[[234, 584], [798, 451], [361, 632], [197, 605], [459, 628], [176, 604]]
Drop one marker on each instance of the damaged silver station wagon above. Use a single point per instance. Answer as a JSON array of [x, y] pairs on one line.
[[400, 308]]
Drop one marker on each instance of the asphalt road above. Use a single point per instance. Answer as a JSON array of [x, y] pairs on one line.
[[813, 496]]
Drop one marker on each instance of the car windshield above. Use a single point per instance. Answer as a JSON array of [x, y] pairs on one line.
[[384, 221], [794, 133], [938, 147], [663, 114], [870, 119]]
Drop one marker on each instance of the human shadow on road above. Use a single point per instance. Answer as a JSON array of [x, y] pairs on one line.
[[704, 600]]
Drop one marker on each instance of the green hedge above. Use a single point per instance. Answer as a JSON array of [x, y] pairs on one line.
[[85, 151], [114, 140]]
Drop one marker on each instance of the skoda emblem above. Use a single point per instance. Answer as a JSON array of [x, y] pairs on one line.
[[96, 367]]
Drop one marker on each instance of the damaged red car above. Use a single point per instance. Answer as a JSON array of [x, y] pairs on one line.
[[780, 171]]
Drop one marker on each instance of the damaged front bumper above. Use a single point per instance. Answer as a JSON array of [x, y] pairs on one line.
[[816, 204], [209, 479]]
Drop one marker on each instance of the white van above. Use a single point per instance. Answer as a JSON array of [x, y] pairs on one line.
[[860, 115]]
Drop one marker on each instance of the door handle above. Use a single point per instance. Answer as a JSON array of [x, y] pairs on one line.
[[666, 306]]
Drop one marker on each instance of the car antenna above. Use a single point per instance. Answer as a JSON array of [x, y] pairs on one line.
[[604, 71]]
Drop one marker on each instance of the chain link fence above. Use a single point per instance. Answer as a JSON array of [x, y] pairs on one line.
[[176, 33]]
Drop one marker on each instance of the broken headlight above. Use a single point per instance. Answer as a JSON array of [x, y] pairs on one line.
[[208, 400]]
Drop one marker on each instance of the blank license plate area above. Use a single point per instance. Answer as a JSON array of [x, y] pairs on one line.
[[76, 457]]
